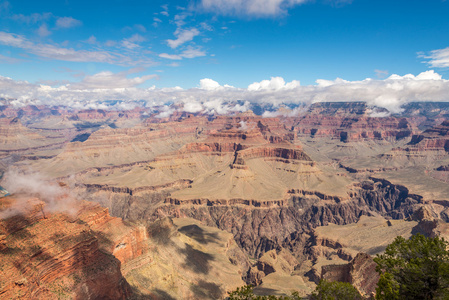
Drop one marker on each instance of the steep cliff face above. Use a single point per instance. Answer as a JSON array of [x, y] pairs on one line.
[[124, 241], [354, 128], [259, 227], [435, 138], [273, 152], [258, 230], [88, 255], [212, 147], [388, 199], [48, 256]]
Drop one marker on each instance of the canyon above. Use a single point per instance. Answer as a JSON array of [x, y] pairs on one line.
[[193, 206]]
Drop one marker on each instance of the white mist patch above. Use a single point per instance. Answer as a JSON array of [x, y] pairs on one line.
[[55, 197], [243, 125], [284, 112]]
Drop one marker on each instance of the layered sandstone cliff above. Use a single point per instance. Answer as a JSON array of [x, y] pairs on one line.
[[432, 139], [53, 255]]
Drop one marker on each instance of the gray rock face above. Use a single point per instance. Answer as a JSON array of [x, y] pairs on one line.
[[259, 230]]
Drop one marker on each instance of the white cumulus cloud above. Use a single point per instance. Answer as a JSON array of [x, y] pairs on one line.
[[192, 106], [183, 36], [209, 84], [275, 83], [211, 97]]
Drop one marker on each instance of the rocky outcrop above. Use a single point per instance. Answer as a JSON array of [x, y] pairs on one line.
[[55, 255], [360, 272], [338, 273], [124, 241], [443, 168], [320, 195], [212, 147], [388, 199], [432, 139], [260, 230], [183, 183], [280, 261], [247, 136], [354, 128], [274, 152], [259, 226], [352, 122]]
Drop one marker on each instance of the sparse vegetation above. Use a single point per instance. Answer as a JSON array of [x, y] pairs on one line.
[[417, 268], [326, 290], [247, 293]]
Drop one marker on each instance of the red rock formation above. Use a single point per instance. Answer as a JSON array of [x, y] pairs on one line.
[[47, 256], [436, 138], [211, 147], [354, 128], [125, 242], [277, 152], [252, 136]]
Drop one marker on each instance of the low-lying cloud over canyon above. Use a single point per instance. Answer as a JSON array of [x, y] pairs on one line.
[[216, 98]]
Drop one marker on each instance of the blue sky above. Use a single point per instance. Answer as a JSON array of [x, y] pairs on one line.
[[181, 42], [127, 44]]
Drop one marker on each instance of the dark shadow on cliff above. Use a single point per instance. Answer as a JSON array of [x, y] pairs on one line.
[[208, 290], [196, 260], [159, 294], [376, 250], [260, 291], [160, 231], [155, 294], [198, 234], [15, 229], [17, 225], [425, 227]]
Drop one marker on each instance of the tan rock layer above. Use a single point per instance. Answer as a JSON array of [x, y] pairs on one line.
[[183, 183], [227, 202]]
